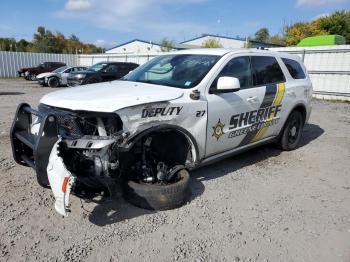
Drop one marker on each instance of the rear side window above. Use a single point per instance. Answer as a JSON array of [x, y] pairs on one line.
[[294, 68], [266, 70]]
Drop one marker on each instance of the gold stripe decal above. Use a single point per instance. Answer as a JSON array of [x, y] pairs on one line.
[[277, 101]]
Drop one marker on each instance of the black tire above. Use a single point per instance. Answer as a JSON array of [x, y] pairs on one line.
[[292, 131], [43, 180], [53, 82], [32, 77], [159, 197]]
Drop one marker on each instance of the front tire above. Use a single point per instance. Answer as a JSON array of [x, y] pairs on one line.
[[292, 131], [159, 197], [32, 77], [53, 82]]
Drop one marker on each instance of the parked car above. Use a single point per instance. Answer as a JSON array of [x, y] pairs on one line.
[[30, 73], [58, 77], [177, 112], [101, 72]]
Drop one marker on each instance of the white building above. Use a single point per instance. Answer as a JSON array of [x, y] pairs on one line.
[[135, 46], [138, 46], [225, 41]]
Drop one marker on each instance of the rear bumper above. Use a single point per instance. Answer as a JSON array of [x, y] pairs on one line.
[[29, 149]]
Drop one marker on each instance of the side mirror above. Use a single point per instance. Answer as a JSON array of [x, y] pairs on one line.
[[227, 84]]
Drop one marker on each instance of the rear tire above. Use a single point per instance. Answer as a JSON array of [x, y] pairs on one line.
[[53, 82], [292, 131], [159, 197]]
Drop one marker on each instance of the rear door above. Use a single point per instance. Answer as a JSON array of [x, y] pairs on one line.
[[267, 73]]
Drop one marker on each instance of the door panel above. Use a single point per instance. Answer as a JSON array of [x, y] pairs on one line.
[[253, 113], [224, 118]]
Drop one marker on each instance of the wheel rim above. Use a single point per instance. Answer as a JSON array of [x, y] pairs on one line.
[[294, 130], [54, 82]]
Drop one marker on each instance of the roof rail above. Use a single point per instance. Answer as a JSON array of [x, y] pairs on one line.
[[262, 48]]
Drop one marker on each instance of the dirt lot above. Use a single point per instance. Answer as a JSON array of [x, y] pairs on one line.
[[264, 205]]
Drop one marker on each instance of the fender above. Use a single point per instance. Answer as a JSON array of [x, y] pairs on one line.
[[131, 140], [295, 106]]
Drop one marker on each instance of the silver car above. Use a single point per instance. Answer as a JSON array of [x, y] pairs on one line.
[[58, 77]]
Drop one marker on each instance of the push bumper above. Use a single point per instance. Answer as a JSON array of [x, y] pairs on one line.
[[40, 151], [29, 149]]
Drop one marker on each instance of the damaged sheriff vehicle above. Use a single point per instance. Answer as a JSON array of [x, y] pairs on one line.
[[177, 112]]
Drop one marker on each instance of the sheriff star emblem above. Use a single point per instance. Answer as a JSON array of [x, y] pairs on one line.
[[218, 130]]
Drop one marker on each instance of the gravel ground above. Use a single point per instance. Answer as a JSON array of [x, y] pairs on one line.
[[264, 205]]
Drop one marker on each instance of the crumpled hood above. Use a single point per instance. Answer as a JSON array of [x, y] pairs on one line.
[[45, 75], [110, 96]]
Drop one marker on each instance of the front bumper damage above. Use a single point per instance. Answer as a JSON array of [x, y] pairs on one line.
[[36, 144], [39, 151]]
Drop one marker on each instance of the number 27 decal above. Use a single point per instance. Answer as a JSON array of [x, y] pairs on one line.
[[200, 113]]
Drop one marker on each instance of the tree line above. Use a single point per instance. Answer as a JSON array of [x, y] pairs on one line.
[[45, 41], [337, 23]]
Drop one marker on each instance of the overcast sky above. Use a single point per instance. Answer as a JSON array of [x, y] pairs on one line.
[[110, 22]]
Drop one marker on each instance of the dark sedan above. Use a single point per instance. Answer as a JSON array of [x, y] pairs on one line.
[[101, 72]]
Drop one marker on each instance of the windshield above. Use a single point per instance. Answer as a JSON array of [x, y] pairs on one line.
[[183, 71], [60, 69], [97, 67]]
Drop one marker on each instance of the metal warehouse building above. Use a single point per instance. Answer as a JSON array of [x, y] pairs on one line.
[[138, 46]]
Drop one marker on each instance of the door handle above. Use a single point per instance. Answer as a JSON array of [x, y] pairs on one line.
[[252, 99]]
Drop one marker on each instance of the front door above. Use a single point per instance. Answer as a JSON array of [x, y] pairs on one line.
[[236, 119]]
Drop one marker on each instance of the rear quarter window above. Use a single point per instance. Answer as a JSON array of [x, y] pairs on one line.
[[266, 70], [294, 68]]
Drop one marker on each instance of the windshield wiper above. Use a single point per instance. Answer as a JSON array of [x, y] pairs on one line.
[[145, 81]]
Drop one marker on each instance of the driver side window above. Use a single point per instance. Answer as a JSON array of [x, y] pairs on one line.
[[238, 67]]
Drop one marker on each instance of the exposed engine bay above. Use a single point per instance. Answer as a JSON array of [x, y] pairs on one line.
[[92, 149]]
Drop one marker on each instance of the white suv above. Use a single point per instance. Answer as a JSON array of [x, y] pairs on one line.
[[179, 111]]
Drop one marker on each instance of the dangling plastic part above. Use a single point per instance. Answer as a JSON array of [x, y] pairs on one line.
[[61, 180]]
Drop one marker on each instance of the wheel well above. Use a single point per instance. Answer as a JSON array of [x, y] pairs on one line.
[[171, 146], [168, 145], [52, 77], [302, 110]]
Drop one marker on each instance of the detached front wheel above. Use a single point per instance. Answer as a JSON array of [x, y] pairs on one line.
[[158, 196]]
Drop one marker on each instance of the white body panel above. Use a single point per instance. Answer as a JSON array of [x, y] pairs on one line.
[[110, 96], [210, 121], [130, 99]]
